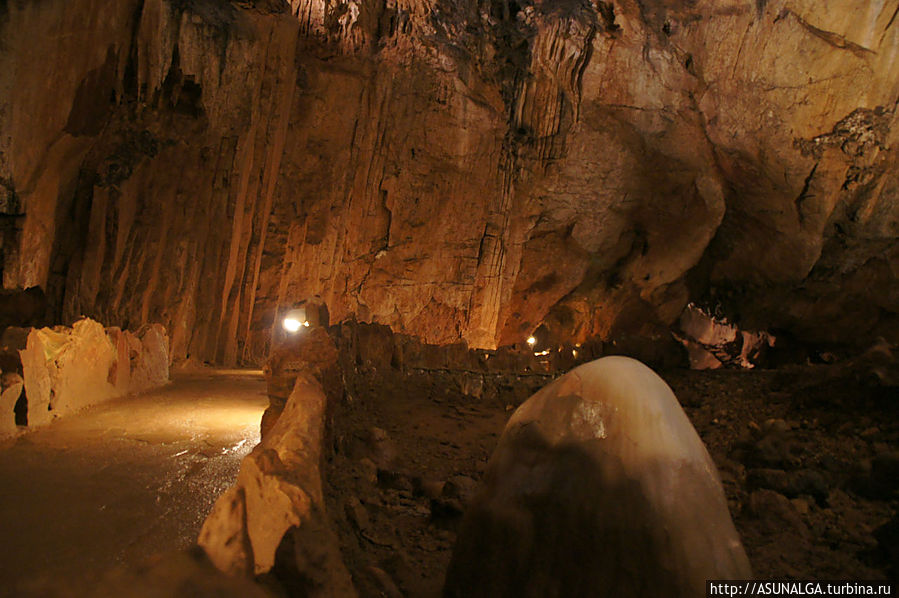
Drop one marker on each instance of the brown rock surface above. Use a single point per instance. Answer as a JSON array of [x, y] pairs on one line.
[[148, 358], [9, 395], [844, 432], [272, 519], [310, 353], [67, 369], [456, 170]]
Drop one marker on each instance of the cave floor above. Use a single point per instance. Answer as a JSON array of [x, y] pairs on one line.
[[123, 480], [808, 467]]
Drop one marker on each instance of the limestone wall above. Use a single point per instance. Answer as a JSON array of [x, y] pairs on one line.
[[455, 170]]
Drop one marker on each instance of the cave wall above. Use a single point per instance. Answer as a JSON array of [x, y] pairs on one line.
[[455, 170]]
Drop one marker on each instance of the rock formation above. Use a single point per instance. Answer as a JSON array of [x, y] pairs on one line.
[[455, 170], [67, 369], [310, 353], [273, 520], [598, 486], [12, 386], [712, 342]]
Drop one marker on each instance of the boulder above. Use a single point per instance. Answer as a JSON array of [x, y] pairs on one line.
[[39, 372], [599, 486], [120, 372], [712, 341], [81, 368], [311, 352]]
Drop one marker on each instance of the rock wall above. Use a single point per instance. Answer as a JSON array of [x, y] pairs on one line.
[[172, 131], [455, 170]]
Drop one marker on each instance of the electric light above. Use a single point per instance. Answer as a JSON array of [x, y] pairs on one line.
[[295, 319], [532, 341]]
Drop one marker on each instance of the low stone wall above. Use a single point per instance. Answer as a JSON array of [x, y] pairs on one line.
[[66, 369], [371, 354], [273, 521]]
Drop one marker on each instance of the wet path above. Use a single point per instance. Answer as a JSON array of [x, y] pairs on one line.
[[124, 480]]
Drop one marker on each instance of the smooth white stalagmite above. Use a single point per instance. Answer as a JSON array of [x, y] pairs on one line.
[[599, 486]]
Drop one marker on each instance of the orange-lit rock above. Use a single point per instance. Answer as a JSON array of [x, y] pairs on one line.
[[458, 171], [10, 391], [67, 369], [598, 486], [120, 373], [712, 342], [309, 352], [273, 517], [78, 363], [149, 358]]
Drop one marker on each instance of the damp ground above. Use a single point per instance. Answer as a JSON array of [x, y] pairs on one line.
[[810, 470], [123, 480]]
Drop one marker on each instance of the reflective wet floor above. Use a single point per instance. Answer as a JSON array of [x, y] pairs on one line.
[[122, 481]]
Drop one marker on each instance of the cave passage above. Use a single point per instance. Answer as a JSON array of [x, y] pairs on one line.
[[123, 480]]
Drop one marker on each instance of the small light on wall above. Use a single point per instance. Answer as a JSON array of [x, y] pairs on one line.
[[294, 320], [532, 341]]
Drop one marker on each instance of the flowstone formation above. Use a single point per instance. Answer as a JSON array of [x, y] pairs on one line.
[[455, 170], [598, 486]]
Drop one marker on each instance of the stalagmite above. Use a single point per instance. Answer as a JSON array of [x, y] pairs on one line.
[[599, 486]]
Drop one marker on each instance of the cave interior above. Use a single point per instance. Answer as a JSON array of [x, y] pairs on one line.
[[414, 215]]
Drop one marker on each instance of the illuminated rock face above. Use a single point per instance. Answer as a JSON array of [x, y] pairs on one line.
[[273, 518], [308, 352], [456, 170], [598, 486], [9, 394], [67, 369], [149, 358]]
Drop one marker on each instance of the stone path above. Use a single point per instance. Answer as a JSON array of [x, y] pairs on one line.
[[124, 480]]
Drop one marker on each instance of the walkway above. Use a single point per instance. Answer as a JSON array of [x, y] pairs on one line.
[[123, 480]]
